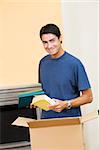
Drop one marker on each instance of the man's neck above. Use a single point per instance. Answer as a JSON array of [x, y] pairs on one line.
[[58, 54]]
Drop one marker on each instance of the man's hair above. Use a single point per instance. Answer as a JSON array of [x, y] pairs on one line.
[[50, 28]]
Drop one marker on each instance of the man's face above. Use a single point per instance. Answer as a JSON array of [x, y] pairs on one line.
[[51, 43]]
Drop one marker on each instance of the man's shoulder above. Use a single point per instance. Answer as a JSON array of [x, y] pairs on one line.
[[73, 59], [44, 58]]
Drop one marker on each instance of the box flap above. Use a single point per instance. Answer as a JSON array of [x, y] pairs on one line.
[[22, 121], [89, 116], [32, 123]]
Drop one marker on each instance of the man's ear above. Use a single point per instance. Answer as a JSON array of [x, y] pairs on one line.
[[60, 38]]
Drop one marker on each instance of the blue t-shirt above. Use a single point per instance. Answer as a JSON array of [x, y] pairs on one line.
[[62, 78]]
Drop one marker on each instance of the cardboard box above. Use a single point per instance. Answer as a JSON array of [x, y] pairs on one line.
[[56, 134]]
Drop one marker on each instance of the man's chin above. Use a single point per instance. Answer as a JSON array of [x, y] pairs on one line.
[[52, 53]]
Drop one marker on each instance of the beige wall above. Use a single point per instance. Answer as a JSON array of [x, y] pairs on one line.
[[20, 46]]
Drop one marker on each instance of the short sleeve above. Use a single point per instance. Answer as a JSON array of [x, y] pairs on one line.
[[82, 80]]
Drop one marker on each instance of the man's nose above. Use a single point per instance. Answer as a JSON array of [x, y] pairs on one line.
[[49, 45]]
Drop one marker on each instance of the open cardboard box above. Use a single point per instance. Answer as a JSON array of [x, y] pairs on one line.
[[56, 134]]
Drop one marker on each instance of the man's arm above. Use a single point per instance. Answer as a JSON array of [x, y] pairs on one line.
[[86, 97]]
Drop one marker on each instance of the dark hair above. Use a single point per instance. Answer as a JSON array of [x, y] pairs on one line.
[[50, 28]]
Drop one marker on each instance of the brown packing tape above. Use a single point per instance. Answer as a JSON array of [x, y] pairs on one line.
[[89, 116]]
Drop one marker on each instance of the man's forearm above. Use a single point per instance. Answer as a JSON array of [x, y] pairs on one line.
[[85, 98]]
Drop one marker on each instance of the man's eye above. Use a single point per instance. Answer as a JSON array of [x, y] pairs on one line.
[[44, 42], [52, 40]]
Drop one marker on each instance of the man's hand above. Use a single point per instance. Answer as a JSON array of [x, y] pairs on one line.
[[32, 106], [60, 105]]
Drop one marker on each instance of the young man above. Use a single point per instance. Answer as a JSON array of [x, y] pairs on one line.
[[62, 77]]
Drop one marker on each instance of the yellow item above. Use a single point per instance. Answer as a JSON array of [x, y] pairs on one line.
[[42, 101]]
